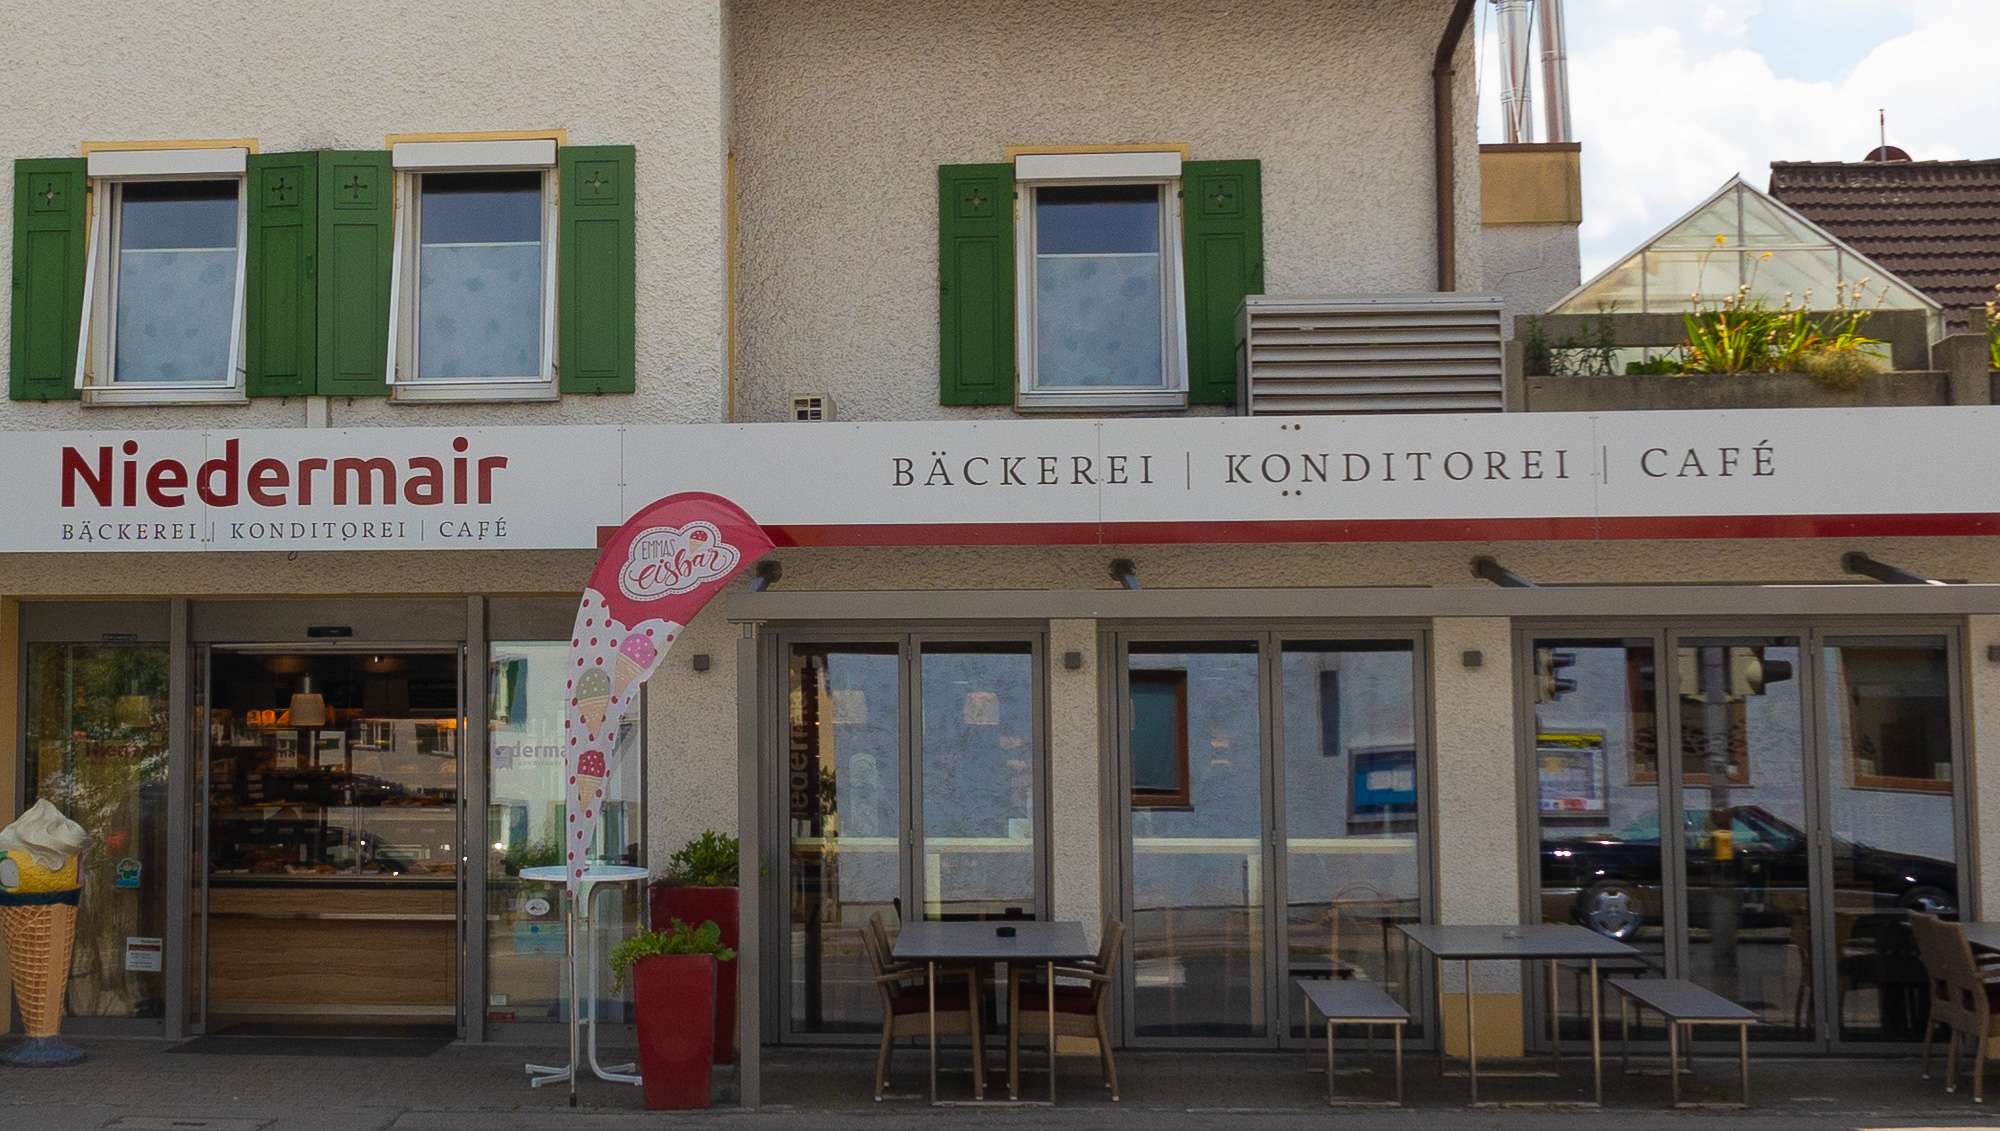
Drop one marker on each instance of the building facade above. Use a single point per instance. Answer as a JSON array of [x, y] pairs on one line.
[[379, 322]]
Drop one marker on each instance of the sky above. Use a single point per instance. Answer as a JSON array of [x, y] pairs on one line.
[[1671, 97]]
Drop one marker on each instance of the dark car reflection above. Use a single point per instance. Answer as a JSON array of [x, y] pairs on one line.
[[1611, 882]]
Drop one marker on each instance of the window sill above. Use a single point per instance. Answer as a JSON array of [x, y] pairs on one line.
[[131, 396], [1094, 401], [484, 392]]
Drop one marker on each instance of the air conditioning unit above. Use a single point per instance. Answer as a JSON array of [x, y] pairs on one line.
[[1370, 353], [812, 406]]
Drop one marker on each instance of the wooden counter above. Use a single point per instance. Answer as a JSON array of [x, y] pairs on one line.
[[336, 947]]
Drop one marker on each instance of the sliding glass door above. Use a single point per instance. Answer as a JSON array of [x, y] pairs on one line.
[[913, 774], [1810, 774], [1199, 867], [1270, 801], [1746, 900], [1889, 758]]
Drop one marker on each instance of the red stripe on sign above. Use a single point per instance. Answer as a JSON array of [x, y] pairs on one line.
[[1381, 530]]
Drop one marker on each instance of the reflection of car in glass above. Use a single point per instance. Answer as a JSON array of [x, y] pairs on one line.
[[1611, 881]]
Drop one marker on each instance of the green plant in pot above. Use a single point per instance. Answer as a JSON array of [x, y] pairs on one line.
[[678, 938], [699, 885], [708, 861], [674, 991]]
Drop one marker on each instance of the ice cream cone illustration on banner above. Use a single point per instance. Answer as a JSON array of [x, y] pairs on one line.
[[651, 579], [637, 656], [593, 699], [590, 775]]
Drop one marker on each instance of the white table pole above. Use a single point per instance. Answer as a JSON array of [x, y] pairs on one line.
[[569, 958]]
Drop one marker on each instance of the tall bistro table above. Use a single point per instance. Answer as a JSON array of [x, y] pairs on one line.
[[583, 979], [973, 942], [1545, 942]]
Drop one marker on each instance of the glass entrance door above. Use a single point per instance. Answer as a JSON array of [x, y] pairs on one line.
[[1273, 816], [1810, 776], [1888, 757], [1746, 857], [913, 789], [1199, 866], [331, 836]]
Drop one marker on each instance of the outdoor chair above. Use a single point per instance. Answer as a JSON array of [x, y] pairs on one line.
[[906, 1005], [1963, 996], [1080, 1010]]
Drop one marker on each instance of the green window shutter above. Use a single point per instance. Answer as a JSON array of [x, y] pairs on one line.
[[1223, 258], [357, 239], [49, 250], [596, 350], [281, 346], [976, 284]]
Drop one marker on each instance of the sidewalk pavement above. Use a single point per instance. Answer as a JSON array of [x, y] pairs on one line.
[[142, 1086]]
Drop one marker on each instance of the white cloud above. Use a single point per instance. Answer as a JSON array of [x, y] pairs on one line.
[[1670, 100]]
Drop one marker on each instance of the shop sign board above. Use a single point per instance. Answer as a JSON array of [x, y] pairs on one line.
[[1765, 473]]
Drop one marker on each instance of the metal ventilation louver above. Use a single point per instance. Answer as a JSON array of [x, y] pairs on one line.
[[1392, 353], [812, 406]]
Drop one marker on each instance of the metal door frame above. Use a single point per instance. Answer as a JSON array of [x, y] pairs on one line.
[[198, 974], [1674, 841], [1811, 634], [1952, 635], [1269, 639], [1417, 990], [775, 643]]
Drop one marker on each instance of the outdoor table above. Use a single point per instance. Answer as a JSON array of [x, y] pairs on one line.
[[583, 1002], [1546, 942], [971, 942]]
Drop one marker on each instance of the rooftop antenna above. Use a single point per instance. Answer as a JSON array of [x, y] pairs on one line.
[[1882, 125]]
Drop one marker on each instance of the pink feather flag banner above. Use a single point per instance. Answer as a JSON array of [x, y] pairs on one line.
[[665, 563]]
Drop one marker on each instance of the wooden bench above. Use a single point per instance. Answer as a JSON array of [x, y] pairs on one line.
[[1346, 1002], [1684, 1005]]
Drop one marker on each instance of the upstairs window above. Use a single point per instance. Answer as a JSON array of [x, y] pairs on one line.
[[482, 261], [164, 288], [175, 281], [475, 263], [1093, 281], [1101, 301]]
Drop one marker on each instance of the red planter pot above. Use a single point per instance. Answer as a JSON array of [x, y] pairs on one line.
[[674, 997], [693, 906]]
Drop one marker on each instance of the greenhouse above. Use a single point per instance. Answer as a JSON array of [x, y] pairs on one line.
[[1741, 237]]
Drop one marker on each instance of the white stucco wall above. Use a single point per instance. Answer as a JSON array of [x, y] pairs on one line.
[[1477, 802], [843, 112], [1530, 266], [1076, 778], [326, 77]]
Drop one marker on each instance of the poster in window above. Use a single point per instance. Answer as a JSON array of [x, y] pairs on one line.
[[1570, 766], [1382, 789]]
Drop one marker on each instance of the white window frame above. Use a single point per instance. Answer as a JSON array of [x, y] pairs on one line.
[[412, 161], [1033, 171], [96, 347]]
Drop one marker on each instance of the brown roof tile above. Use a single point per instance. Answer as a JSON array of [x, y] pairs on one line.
[[1936, 224]]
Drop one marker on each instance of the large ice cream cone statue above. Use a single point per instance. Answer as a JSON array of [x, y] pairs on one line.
[[39, 888], [637, 654]]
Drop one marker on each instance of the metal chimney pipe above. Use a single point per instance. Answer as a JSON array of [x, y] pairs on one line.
[[1555, 72], [1512, 19]]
